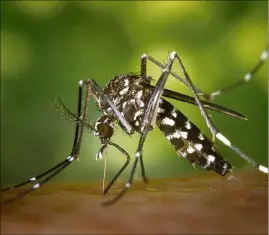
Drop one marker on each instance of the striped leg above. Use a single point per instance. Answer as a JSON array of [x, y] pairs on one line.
[[210, 96], [247, 77], [215, 132], [43, 178]]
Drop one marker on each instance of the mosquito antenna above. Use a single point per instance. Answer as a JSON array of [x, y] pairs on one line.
[[69, 114]]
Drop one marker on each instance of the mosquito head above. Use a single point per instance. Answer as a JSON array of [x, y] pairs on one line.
[[104, 128]]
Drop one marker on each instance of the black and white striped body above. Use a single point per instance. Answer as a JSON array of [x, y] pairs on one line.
[[188, 140], [130, 94]]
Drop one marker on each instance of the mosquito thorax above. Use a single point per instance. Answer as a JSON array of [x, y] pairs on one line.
[[130, 94]]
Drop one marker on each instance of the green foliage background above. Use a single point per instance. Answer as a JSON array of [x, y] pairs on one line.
[[47, 47]]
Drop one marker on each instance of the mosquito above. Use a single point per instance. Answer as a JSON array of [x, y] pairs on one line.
[[130, 101]]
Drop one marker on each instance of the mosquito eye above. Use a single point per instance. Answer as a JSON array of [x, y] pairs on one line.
[[105, 130]]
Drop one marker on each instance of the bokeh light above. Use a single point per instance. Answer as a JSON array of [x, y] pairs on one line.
[[40, 9], [16, 54]]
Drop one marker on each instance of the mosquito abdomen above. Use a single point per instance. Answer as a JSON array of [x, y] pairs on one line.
[[188, 140]]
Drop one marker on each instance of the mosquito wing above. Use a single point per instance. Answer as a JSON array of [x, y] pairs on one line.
[[208, 105]]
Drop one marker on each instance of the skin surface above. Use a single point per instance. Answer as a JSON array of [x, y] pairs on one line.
[[204, 204]]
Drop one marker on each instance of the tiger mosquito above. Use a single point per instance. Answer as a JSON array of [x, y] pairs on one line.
[[137, 106]]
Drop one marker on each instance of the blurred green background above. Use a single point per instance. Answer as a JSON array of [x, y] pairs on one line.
[[48, 46]]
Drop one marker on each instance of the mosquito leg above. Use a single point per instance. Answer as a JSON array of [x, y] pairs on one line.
[[105, 133], [211, 96], [144, 75], [97, 90], [49, 174], [209, 123], [194, 90], [79, 131], [143, 172], [33, 179], [247, 77], [122, 168], [146, 57], [130, 180], [150, 115], [143, 70], [48, 177], [212, 127]]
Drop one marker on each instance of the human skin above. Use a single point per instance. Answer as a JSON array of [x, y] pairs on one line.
[[204, 204]]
